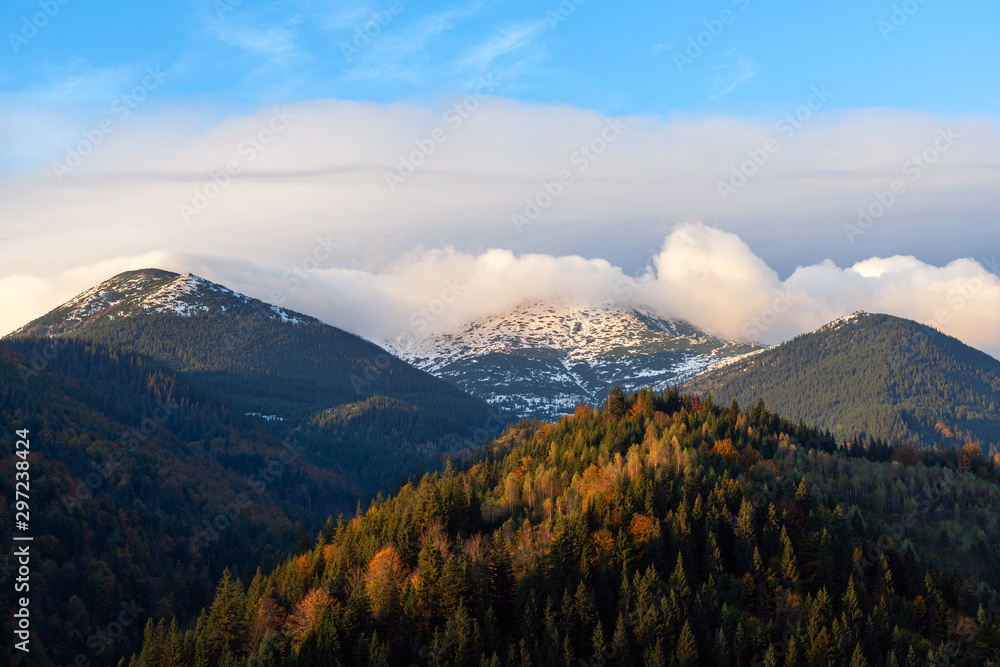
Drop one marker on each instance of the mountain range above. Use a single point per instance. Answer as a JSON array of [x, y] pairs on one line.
[[188, 434], [265, 359]]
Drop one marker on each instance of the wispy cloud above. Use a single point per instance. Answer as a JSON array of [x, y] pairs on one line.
[[38, 122], [276, 43], [346, 16], [730, 76], [399, 52], [509, 39]]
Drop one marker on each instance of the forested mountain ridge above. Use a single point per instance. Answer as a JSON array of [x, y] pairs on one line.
[[363, 413], [660, 530], [872, 375], [262, 358]]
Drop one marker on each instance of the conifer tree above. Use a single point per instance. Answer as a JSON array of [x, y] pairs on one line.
[[687, 648], [653, 657], [789, 564], [678, 580], [226, 622], [858, 657]]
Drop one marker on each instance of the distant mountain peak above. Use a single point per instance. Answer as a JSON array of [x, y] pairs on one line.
[[543, 358], [581, 331], [871, 375], [154, 291]]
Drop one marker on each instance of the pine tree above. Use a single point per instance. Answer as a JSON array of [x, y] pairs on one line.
[[227, 622], [802, 496], [858, 658], [493, 661], [329, 531], [678, 580], [789, 564], [598, 646], [150, 656], [713, 555], [744, 523], [452, 583], [621, 640], [614, 405], [720, 649], [174, 647], [851, 608], [687, 649], [653, 657], [792, 653]]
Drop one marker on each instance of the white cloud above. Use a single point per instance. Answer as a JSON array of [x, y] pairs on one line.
[[704, 275], [712, 278]]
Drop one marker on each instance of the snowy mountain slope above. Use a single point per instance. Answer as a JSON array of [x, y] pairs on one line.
[[543, 359], [153, 291]]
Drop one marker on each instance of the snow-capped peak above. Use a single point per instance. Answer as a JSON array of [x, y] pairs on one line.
[[542, 358], [149, 291]]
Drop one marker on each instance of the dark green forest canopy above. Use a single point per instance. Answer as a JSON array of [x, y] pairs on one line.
[[873, 376], [271, 367], [661, 530]]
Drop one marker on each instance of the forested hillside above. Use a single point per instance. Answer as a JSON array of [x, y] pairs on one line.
[[146, 486], [660, 530], [873, 376]]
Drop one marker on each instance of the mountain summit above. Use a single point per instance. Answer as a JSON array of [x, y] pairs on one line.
[[544, 359], [148, 291]]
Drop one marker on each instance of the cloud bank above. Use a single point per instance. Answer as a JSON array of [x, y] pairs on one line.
[[366, 215], [704, 275]]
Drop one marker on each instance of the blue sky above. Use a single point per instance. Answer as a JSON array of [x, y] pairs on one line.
[[117, 118], [613, 58]]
